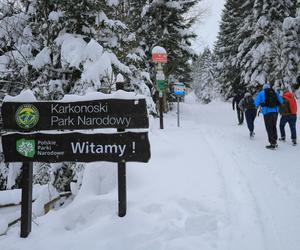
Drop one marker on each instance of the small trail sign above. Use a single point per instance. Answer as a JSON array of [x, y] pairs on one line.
[[179, 89]]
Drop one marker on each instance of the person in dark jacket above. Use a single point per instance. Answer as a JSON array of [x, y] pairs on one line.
[[248, 106], [270, 113], [288, 111], [235, 101]]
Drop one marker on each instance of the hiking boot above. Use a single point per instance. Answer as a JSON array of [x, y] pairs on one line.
[[252, 135], [294, 142], [282, 139], [271, 146]]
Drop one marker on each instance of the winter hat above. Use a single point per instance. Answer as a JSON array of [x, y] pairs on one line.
[[266, 86]]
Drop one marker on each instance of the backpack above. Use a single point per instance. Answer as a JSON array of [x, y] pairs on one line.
[[249, 103], [284, 108], [271, 99]]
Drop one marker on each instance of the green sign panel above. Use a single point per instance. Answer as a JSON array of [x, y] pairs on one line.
[[161, 85]]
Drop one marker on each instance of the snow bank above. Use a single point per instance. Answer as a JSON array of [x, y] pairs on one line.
[[13, 197], [98, 179], [46, 194], [3, 225], [10, 197]]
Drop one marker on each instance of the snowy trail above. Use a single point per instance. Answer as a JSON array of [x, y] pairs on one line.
[[207, 186], [269, 179], [246, 225]]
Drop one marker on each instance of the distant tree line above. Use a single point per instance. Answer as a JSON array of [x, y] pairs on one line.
[[258, 42]]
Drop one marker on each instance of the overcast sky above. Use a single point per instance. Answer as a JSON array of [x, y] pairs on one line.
[[208, 29]]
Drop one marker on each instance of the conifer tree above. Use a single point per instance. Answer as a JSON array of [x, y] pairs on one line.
[[259, 63], [290, 50], [204, 83], [226, 49]]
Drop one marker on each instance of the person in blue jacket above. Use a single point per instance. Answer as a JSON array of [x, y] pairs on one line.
[[269, 101]]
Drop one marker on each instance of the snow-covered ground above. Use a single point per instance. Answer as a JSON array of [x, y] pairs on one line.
[[207, 186]]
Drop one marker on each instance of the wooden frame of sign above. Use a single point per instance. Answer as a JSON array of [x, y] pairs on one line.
[[62, 146]]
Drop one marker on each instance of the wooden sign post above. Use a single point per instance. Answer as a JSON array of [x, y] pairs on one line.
[[29, 147], [26, 205], [122, 192]]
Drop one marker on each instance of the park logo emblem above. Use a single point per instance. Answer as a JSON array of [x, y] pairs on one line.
[[26, 147], [27, 116]]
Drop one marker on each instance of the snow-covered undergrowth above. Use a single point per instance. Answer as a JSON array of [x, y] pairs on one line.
[[207, 186]]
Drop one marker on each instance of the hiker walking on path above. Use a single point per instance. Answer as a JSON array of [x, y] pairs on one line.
[[269, 101], [288, 111], [248, 106], [235, 101]]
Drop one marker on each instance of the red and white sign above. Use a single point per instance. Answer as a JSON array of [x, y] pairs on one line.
[[159, 55], [159, 58]]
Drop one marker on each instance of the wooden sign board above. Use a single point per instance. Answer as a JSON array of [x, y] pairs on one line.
[[105, 113], [78, 147]]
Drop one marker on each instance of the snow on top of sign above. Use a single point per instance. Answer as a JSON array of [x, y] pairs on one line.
[[28, 96], [25, 96], [81, 131], [158, 50], [120, 94]]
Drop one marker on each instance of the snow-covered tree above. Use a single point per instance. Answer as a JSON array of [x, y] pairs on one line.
[[57, 47], [290, 50], [226, 49], [204, 83], [257, 43], [264, 51]]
